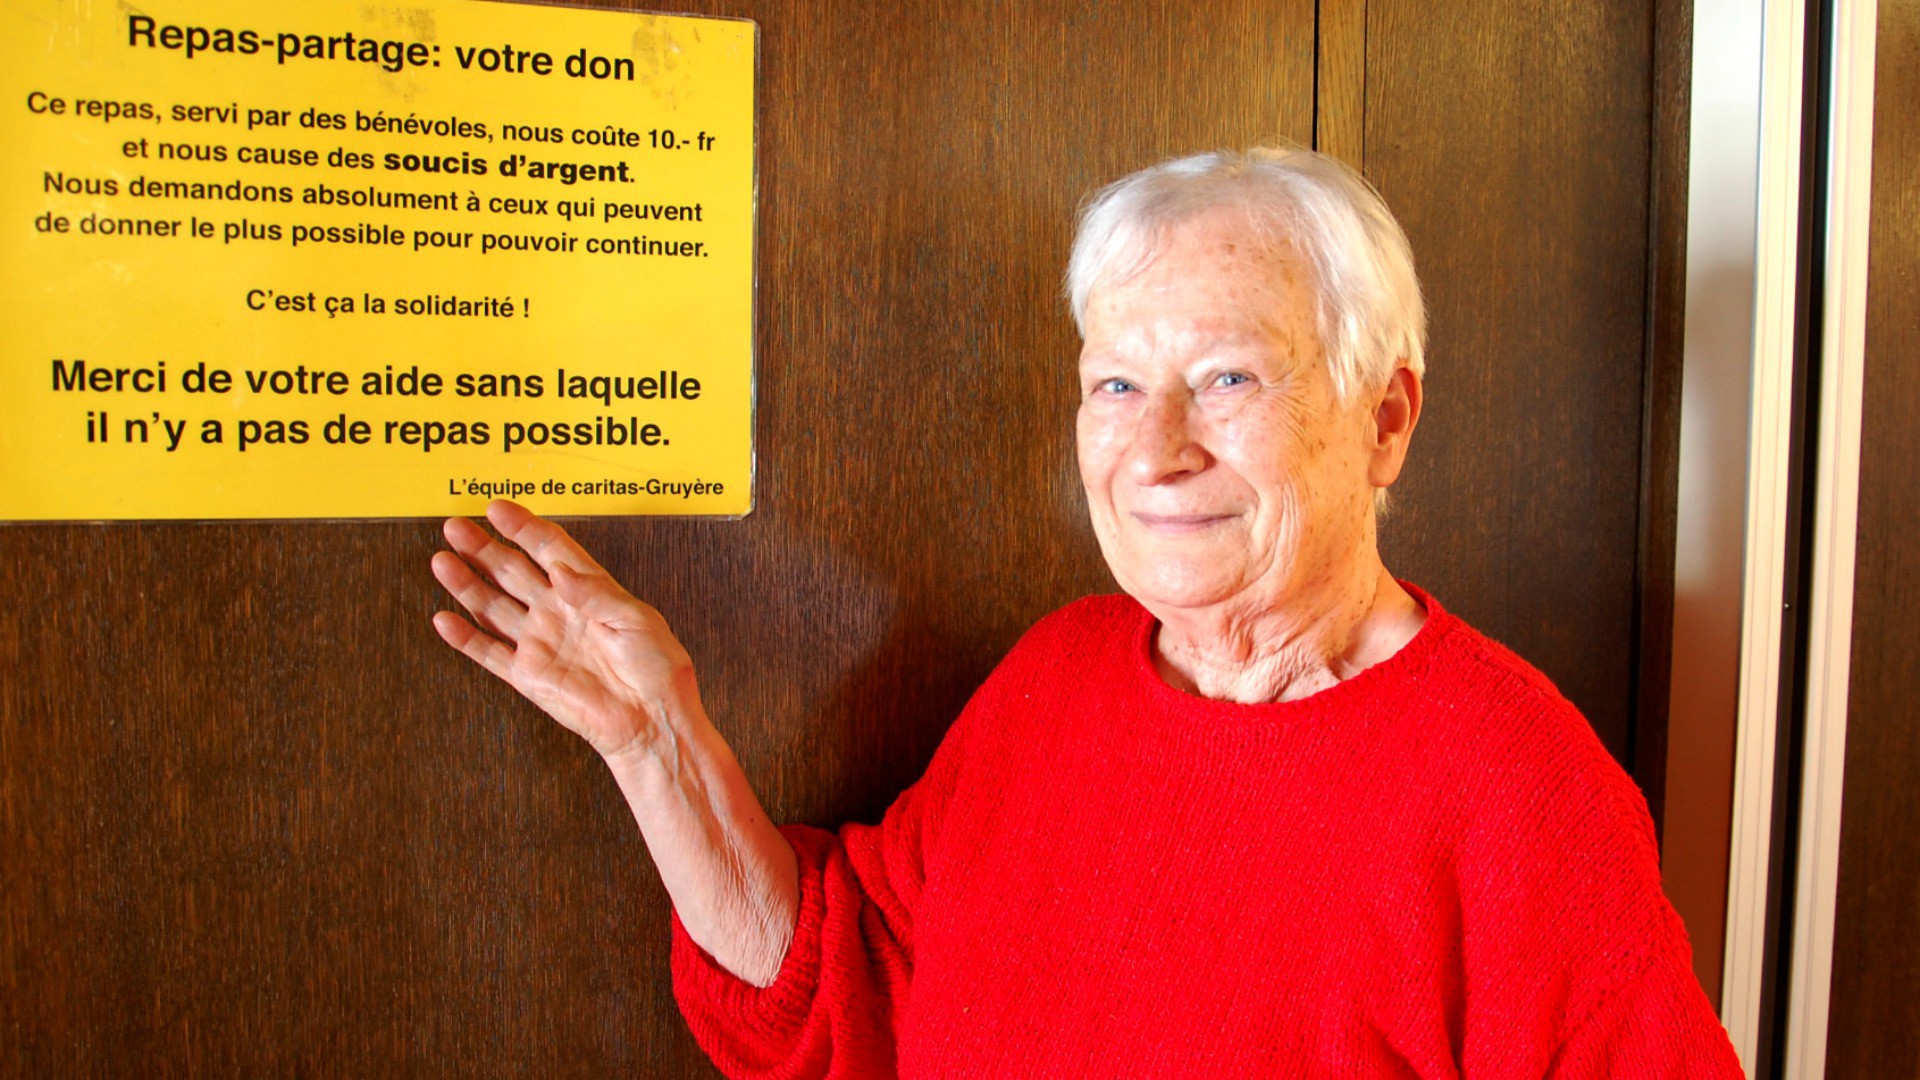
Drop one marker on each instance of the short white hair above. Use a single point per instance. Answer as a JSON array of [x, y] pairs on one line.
[[1370, 315]]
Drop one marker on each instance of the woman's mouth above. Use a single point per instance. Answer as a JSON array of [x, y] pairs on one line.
[[1176, 524]]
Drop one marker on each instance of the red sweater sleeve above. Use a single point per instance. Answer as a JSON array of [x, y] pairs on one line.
[[1575, 964], [832, 1010], [1658, 1027]]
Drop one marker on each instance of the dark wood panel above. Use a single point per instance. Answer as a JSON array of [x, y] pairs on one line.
[[1660, 402], [256, 819], [1517, 158], [1340, 81], [1874, 1026]]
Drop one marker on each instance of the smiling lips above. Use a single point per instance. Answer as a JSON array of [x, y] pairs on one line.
[[1177, 524]]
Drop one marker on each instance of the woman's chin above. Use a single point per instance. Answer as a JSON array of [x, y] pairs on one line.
[[1163, 593]]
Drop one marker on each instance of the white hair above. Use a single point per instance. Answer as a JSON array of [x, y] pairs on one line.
[[1370, 315]]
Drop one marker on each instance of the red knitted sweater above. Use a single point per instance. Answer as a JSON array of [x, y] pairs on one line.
[[1432, 869]]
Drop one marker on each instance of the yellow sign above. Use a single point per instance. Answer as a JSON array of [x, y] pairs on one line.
[[346, 259]]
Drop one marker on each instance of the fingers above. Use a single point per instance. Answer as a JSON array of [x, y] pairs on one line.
[[600, 598], [499, 613], [568, 584], [489, 652], [541, 539], [576, 589], [508, 569], [508, 583]]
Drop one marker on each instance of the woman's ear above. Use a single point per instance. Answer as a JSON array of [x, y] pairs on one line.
[[1394, 418]]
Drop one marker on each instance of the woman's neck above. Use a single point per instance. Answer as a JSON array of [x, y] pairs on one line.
[[1256, 656]]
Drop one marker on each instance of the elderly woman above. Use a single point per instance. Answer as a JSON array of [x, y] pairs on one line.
[[1271, 812]]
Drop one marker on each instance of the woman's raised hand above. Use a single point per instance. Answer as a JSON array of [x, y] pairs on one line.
[[556, 626]]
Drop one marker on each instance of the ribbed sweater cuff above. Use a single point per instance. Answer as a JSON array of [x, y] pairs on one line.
[[709, 993]]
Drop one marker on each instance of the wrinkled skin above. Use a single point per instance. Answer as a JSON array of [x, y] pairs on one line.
[[552, 623], [1230, 486]]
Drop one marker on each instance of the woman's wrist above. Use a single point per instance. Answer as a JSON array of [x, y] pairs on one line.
[[661, 733]]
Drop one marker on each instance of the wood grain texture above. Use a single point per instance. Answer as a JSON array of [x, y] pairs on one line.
[[1512, 140], [1340, 81], [256, 819], [1874, 1026], [1660, 399]]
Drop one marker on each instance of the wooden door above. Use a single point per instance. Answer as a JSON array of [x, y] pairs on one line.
[[256, 819], [1514, 142]]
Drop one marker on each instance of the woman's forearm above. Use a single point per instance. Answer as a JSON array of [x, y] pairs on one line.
[[550, 621], [731, 875]]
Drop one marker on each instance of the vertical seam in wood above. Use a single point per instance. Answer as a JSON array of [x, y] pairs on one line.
[[1319, 65], [1339, 83], [1669, 108]]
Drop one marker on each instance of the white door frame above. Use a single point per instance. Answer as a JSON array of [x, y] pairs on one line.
[[1744, 204]]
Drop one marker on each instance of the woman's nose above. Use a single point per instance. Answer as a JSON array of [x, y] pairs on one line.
[[1164, 446]]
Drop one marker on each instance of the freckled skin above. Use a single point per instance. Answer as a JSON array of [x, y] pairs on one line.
[[1230, 488]]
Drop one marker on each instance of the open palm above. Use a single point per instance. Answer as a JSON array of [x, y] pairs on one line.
[[556, 627]]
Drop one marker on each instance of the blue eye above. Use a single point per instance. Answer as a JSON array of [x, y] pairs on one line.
[[1114, 386], [1234, 378]]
